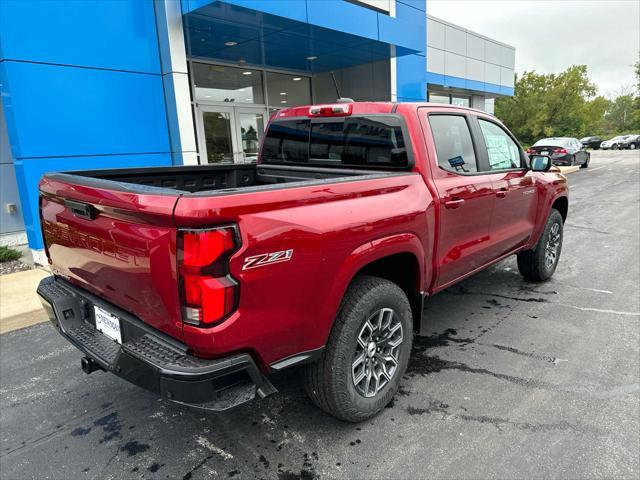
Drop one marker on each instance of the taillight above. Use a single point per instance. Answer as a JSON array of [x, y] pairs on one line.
[[560, 150], [208, 292], [335, 110], [530, 151]]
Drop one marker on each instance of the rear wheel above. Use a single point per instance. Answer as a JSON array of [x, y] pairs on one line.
[[586, 162], [573, 160], [539, 264], [633, 146], [367, 352]]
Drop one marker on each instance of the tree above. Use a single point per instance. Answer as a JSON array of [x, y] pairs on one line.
[[620, 115], [549, 104], [636, 103], [594, 116]]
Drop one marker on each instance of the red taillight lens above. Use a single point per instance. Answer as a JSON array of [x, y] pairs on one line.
[[530, 151], [560, 150], [209, 293]]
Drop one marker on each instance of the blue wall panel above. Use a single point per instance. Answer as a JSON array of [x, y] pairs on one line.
[[417, 4], [408, 29], [466, 84], [292, 9], [81, 88], [411, 82], [344, 17], [106, 34], [59, 111], [29, 172]]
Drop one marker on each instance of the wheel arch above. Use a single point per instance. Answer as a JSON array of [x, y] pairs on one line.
[[399, 258], [562, 205]]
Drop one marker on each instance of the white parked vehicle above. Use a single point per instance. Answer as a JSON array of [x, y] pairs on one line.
[[613, 143]]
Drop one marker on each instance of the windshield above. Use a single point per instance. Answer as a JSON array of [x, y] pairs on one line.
[[552, 142]]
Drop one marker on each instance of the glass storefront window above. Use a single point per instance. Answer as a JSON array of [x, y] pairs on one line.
[[438, 98], [287, 90], [217, 83], [460, 101]]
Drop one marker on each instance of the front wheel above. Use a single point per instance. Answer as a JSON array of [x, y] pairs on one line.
[[633, 146], [367, 352], [539, 264], [586, 162]]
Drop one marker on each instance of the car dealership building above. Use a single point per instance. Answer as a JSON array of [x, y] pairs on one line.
[[115, 83]]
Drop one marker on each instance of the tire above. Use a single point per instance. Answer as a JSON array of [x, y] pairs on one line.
[[533, 264], [573, 160], [331, 382], [586, 162], [633, 146]]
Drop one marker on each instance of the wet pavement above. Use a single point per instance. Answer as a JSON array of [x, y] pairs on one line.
[[508, 379]]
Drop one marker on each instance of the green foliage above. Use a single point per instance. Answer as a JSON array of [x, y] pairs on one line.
[[620, 115], [7, 254], [565, 104]]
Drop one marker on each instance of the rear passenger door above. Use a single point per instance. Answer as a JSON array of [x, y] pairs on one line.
[[513, 185], [465, 194]]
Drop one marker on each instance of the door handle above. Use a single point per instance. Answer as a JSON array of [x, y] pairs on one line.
[[455, 203], [502, 192]]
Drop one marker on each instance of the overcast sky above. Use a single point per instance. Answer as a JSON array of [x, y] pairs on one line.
[[551, 35]]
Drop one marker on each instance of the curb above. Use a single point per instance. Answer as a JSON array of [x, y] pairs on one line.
[[565, 170]]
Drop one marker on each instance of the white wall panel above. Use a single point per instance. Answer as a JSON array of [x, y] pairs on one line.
[[492, 73], [492, 52], [475, 46], [455, 40], [435, 34], [475, 70], [435, 60], [508, 57], [455, 65], [506, 77]]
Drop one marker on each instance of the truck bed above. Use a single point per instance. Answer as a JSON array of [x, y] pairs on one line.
[[210, 178]]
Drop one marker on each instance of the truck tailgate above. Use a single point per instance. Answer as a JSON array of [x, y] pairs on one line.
[[115, 243]]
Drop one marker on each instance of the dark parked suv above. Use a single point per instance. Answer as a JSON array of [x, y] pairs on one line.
[[591, 142], [629, 142]]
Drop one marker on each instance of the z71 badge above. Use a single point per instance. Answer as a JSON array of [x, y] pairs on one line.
[[267, 259]]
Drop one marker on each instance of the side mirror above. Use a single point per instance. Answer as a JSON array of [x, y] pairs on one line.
[[540, 163]]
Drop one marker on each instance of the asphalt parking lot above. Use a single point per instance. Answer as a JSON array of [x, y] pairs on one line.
[[508, 379]]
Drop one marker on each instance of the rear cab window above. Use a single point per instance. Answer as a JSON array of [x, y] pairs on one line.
[[370, 141]]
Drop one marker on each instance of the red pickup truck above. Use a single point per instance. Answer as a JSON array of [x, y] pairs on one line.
[[198, 282]]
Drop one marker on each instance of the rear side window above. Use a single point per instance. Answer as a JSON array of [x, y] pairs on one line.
[[502, 151], [454, 147], [368, 141]]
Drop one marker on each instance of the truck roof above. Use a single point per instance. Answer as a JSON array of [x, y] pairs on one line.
[[363, 108]]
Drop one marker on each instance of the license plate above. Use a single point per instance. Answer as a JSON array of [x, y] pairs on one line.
[[544, 153], [107, 323]]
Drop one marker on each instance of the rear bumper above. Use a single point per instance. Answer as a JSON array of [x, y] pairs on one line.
[[148, 358]]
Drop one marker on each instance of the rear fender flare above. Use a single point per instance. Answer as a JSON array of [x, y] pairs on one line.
[[365, 254]]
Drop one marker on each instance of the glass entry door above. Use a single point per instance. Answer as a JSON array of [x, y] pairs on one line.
[[250, 125], [230, 134]]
